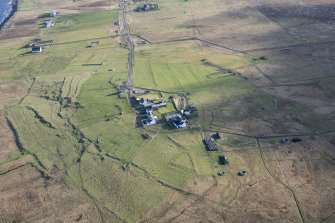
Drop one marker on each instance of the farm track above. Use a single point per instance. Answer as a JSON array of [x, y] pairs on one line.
[[130, 44]]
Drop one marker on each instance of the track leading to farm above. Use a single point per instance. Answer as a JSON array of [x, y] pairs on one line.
[[130, 43]]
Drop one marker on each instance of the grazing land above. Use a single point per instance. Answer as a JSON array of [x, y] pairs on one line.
[[258, 76]]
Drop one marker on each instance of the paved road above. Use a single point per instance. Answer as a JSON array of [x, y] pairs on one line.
[[130, 44]]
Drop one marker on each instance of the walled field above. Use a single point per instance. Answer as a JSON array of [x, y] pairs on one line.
[[179, 66], [256, 71]]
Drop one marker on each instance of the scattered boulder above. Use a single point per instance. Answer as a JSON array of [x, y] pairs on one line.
[[284, 140], [221, 173], [242, 173]]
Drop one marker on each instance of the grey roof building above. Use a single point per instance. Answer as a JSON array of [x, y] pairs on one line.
[[36, 49]]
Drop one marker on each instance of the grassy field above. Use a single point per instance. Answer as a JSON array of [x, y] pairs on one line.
[[180, 67]]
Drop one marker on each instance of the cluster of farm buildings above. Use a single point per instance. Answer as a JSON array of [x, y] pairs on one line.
[[146, 107]]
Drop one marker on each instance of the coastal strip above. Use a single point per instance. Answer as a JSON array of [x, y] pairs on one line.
[[14, 6]]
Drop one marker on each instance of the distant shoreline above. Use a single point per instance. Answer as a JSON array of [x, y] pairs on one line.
[[12, 12]]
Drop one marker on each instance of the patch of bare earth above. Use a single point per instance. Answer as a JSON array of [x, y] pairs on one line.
[[97, 4], [17, 33], [24, 22], [305, 94]]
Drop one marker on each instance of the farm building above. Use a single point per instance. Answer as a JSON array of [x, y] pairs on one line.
[[36, 49], [170, 115], [147, 7], [223, 160], [216, 136], [149, 121], [175, 120], [186, 113], [54, 13], [145, 103], [49, 23], [210, 145], [178, 122], [150, 118]]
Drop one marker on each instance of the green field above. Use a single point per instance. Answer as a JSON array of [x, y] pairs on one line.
[[179, 67]]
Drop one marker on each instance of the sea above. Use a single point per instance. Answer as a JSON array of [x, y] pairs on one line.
[[5, 9]]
